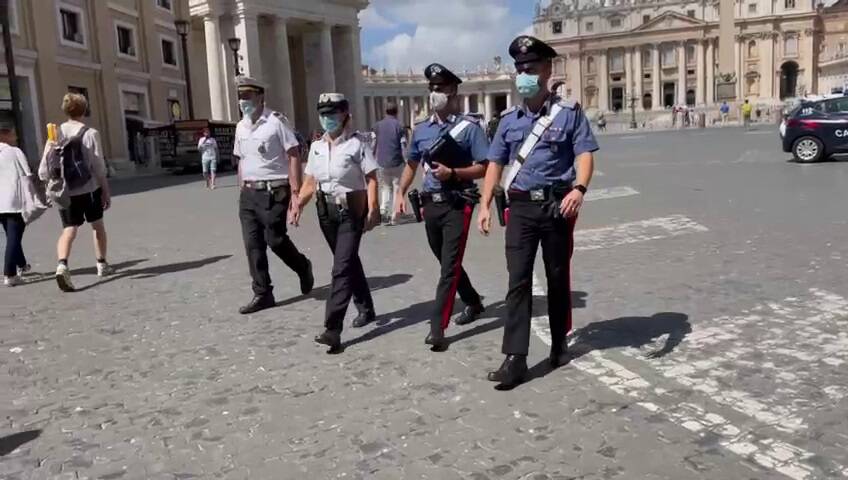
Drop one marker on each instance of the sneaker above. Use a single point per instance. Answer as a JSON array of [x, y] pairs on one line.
[[24, 270], [104, 269], [63, 278], [13, 281]]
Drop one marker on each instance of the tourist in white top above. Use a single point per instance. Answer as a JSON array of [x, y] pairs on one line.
[[343, 172], [88, 202], [14, 169], [208, 148]]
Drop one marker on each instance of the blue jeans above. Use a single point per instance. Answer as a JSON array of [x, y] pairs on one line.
[[14, 226]]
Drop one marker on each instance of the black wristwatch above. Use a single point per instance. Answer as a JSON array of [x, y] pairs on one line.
[[580, 188]]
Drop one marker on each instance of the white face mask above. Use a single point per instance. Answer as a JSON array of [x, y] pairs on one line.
[[438, 101]]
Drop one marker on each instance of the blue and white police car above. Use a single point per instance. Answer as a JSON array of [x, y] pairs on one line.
[[816, 128]]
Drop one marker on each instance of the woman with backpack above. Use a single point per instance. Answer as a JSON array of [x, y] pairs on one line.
[[75, 162]]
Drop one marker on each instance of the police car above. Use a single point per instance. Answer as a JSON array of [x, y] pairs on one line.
[[816, 128]]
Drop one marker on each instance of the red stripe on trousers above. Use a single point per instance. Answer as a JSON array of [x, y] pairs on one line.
[[571, 224], [447, 309]]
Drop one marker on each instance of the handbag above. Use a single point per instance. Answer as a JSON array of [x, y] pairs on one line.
[[32, 207]]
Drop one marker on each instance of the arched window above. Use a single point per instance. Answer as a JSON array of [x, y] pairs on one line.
[[753, 51], [590, 64]]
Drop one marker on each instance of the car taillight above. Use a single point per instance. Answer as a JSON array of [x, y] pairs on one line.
[[800, 123]]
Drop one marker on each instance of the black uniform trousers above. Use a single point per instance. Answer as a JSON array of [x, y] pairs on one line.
[[529, 225], [447, 226], [343, 233], [264, 215]]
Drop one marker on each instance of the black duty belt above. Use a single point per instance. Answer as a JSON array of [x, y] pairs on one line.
[[265, 184], [437, 197], [540, 194]]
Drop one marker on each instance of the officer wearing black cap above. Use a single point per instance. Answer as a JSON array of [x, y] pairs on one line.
[[269, 173], [453, 149], [548, 145], [342, 171]]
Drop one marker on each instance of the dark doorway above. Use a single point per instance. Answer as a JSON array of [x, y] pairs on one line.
[[668, 94], [135, 140], [788, 80], [690, 97], [500, 105], [617, 98], [648, 101]]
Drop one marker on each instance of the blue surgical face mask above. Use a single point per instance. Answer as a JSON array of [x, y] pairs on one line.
[[248, 108], [527, 85], [331, 123]]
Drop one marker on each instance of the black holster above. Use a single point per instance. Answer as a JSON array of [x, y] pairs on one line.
[[415, 202], [501, 205]]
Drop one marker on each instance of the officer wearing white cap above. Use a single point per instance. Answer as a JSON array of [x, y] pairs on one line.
[[269, 174], [453, 149], [342, 172], [550, 146]]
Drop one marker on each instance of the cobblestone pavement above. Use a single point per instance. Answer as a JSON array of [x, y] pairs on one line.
[[710, 342]]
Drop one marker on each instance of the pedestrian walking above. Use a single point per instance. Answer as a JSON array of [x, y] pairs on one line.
[[388, 149], [602, 123], [208, 148], [453, 149], [725, 112], [83, 172], [544, 138], [342, 173], [746, 114], [14, 172], [269, 176]]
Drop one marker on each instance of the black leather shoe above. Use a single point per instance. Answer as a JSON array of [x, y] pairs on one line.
[[559, 355], [470, 314], [437, 341], [332, 339], [259, 303], [363, 319], [511, 373], [307, 280]]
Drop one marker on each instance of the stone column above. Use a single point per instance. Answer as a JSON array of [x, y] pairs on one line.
[[215, 67], [767, 68], [426, 106], [575, 79], [247, 29], [656, 85], [328, 75], [466, 103], [282, 69], [739, 70], [638, 77], [681, 73], [700, 91], [356, 68], [806, 48], [369, 112], [628, 76], [711, 66], [488, 105], [603, 84], [410, 105]]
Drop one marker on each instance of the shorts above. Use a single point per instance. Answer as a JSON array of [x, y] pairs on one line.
[[209, 165], [84, 208]]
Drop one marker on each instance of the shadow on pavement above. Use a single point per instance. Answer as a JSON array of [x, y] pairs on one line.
[[49, 276], [156, 270], [9, 443], [133, 185], [376, 283]]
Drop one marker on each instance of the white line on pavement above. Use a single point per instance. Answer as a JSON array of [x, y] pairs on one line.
[[608, 193], [632, 137], [769, 453], [760, 132], [641, 231]]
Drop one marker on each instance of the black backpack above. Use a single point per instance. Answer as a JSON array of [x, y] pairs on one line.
[[75, 168]]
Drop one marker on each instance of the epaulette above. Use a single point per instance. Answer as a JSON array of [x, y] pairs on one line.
[[362, 136], [422, 120], [569, 104], [509, 110], [281, 117]]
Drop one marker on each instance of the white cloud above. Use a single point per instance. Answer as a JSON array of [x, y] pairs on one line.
[[460, 33], [371, 18]]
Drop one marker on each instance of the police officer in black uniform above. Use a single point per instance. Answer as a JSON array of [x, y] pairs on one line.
[[269, 173], [550, 145], [342, 172], [453, 149]]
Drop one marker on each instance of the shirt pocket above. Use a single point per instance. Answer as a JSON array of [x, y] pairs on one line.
[[558, 140], [514, 139]]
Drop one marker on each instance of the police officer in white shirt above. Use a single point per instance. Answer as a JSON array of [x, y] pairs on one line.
[[342, 173], [269, 175]]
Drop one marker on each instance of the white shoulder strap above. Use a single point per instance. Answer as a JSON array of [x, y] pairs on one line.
[[539, 128], [460, 127]]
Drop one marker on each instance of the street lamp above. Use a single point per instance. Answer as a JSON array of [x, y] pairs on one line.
[[235, 45], [633, 124], [10, 70], [183, 29]]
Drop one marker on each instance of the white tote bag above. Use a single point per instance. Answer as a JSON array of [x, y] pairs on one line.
[[32, 206]]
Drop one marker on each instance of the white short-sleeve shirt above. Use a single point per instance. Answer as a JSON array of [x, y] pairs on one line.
[[340, 165], [262, 147]]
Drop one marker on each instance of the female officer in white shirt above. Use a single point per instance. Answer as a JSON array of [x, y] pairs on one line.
[[342, 172]]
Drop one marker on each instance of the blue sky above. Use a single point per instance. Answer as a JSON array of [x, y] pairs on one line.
[[404, 34]]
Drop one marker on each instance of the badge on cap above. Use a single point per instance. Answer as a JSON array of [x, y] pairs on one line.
[[437, 69], [525, 43]]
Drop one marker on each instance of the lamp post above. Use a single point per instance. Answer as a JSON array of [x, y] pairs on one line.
[[10, 70], [235, 45], [183, 29], [633, 124]]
